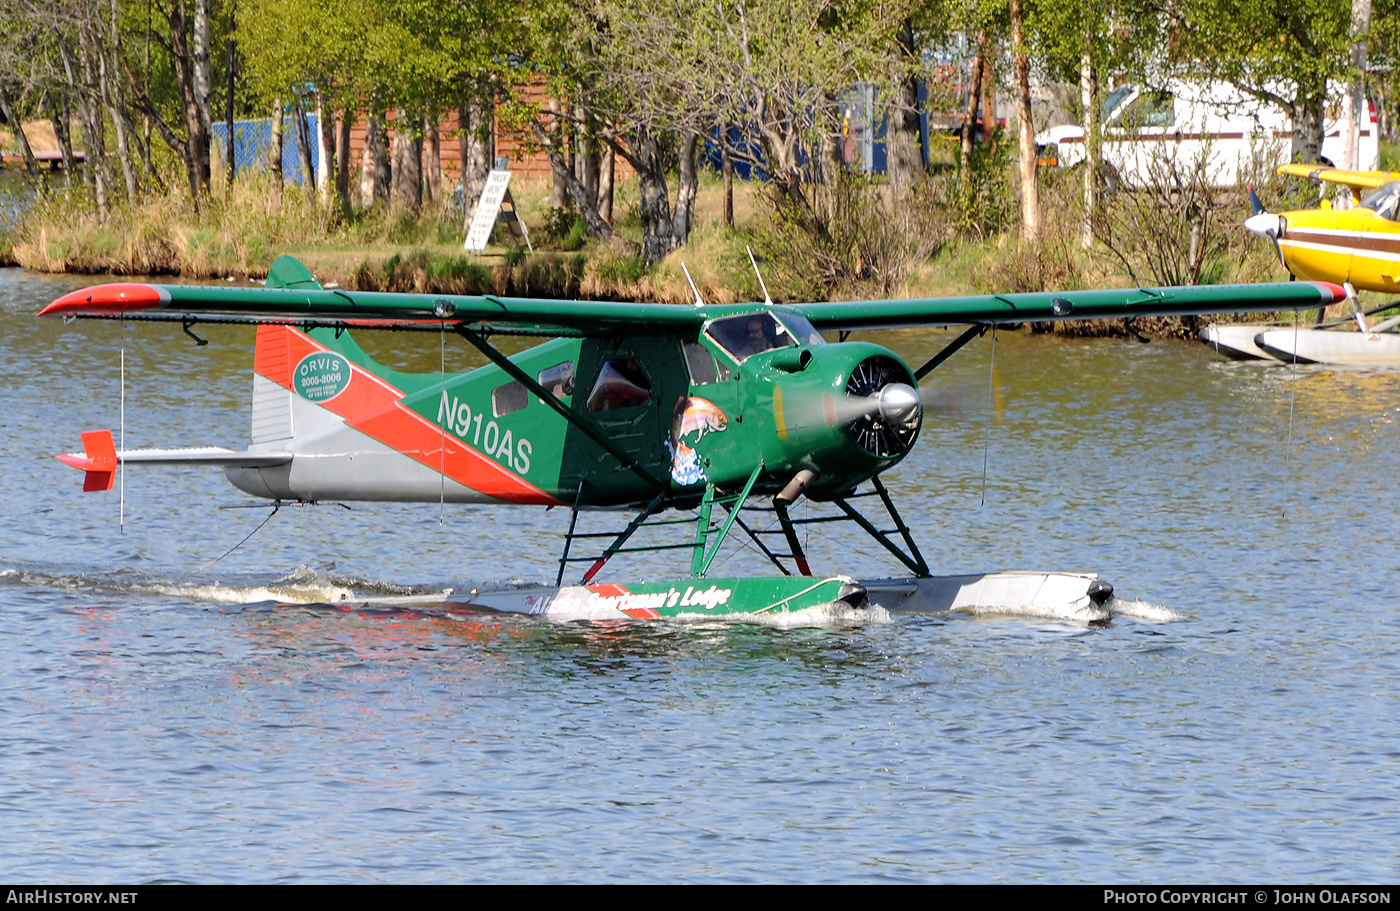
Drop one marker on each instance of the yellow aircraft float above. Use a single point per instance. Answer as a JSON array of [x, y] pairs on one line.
[[1357, 247]]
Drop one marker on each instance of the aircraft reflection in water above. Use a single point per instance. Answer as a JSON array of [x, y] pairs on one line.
[[709, 410]]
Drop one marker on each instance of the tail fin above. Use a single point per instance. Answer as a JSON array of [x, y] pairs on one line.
[[308, 381], [98, 460], [288, 272]]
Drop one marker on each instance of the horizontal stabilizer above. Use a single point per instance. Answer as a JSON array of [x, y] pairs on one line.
[[205, 455], [99, 458]]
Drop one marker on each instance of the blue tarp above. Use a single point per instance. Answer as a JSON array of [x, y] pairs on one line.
[[252, 140]]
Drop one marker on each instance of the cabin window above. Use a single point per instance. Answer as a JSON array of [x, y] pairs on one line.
[[508, 399], [558, 380], [1382, 200], [749, 334], [621, 384], [703, 367]]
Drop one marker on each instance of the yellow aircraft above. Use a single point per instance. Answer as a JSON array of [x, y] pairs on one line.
[[1358, 248], [1360, 245]]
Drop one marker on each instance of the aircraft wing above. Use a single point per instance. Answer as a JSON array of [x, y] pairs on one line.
[[308, 307], [1364, 180], [1070, 305], [316, 307]]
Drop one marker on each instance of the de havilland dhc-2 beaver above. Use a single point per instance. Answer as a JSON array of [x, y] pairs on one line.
[[727, 414]]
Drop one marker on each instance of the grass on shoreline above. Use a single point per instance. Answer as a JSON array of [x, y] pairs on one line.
[[239, 234]]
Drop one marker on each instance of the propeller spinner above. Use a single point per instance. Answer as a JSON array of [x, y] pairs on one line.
[[1266, 224]]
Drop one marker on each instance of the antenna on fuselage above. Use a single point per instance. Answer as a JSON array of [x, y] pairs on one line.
[[698, 301], [766, 299]]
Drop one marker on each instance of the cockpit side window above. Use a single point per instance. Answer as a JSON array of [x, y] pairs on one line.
[[748, 334], [621, 384], [702, 366], [1382, 200]]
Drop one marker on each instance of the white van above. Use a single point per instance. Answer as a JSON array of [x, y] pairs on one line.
[[1156, 134]]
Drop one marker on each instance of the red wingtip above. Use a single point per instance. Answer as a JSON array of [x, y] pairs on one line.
[[1337, 291], [108, 300], [98, 459]]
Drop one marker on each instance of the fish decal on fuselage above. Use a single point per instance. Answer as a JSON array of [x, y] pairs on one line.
[[697, 416]]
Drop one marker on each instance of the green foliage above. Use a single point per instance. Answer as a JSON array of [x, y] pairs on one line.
[[862, 244], [404, 228], [984, 201], [565, 229], [1390, 156], [622, 269]]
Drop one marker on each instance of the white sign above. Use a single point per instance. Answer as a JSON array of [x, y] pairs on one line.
[[496, 192]]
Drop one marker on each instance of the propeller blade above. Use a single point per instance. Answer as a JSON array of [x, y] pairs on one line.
[[1255, 206]]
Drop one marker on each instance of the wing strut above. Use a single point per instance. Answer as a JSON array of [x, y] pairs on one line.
[[914, 560], [950, 349]]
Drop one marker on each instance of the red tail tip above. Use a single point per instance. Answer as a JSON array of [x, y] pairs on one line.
[[98, 459], [106, 300]]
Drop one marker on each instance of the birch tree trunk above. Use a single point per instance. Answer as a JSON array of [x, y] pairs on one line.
[[1089, 96], [111, 94], [726, 167], [969, 127], [342, 159], [372, 162], [406, 187], [1354, 104], [60, 116], [432, 155], [688, 183], [94, 129], [325, 151], [274, 164], [31, 164], [203, 85], [476, 145], [607, 169], [1020, 60], [302, 134], [906, 154], [560, 198]]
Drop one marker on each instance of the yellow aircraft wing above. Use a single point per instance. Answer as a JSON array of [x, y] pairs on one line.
[[1356, 180]]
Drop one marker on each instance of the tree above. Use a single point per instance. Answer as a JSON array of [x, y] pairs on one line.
[[1025, 126], [1281, 53], [1079, 42], [327, 51]]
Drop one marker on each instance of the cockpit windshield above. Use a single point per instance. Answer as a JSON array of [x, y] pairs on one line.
[[752, 333], [749, 334], [1382, 199]]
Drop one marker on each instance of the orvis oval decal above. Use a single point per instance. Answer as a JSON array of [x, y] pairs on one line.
[[321, 376]]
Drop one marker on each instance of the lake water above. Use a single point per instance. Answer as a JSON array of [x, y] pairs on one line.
[[1237, 723]]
